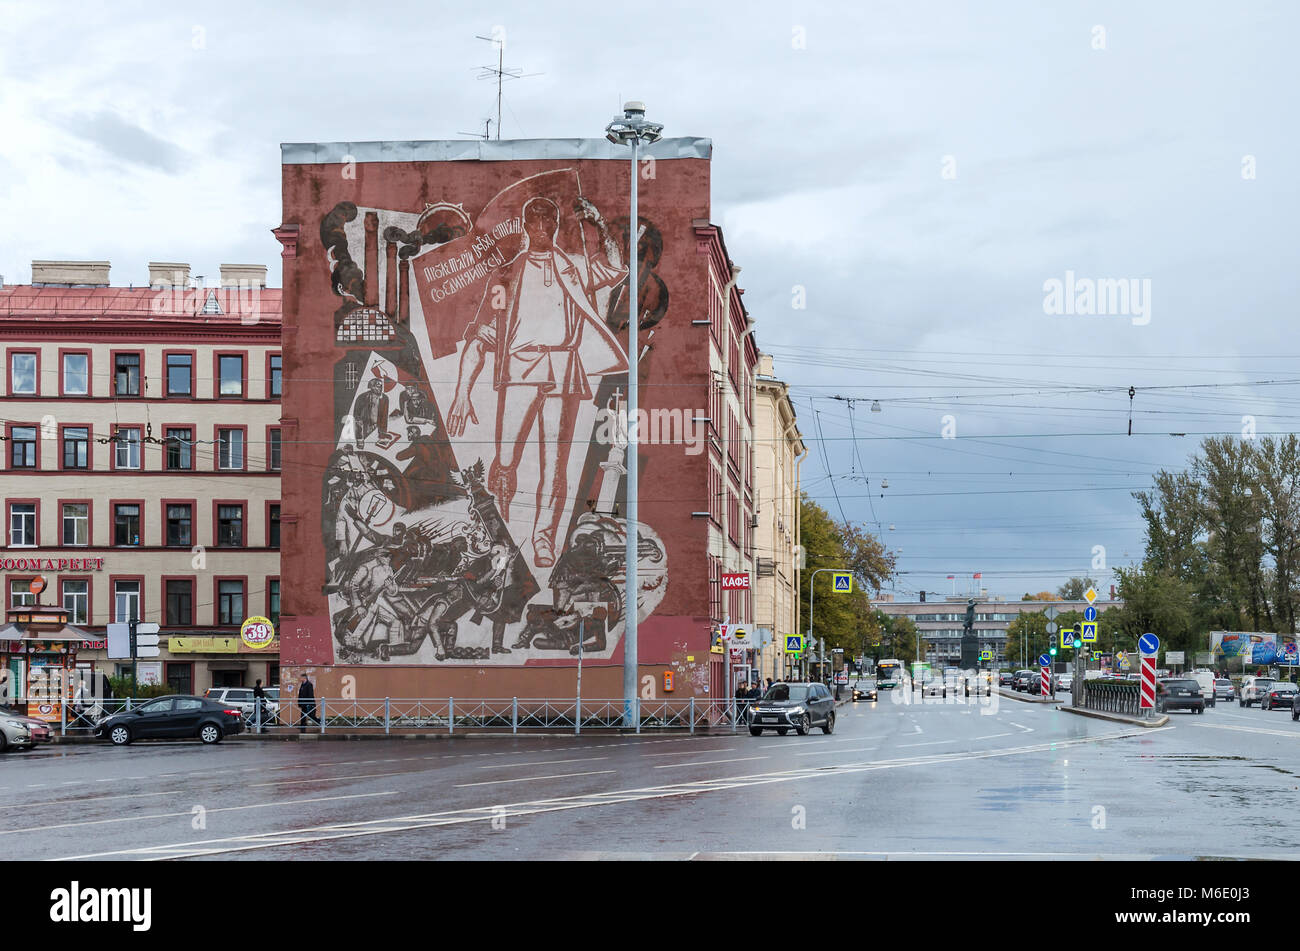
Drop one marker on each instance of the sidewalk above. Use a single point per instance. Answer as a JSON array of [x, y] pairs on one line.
[[1027, 698]]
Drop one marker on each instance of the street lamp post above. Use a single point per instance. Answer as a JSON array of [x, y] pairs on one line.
[[812, 600], [632, 128]]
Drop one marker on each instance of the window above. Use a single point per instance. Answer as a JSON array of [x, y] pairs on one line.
[[273, 526], [126, 601], [126, 448], [20, 594], [273, 450], [22, 442], [275, 374], [273, 602], [230, 371], [230, 602], [180, 603], [230, 526], [179, 444], [76, 374], [22, 525], [230, 449], [126, 524], [180, 374], [180, 677], [76, 447], [126, 374], [76, 601], [76, 523], [22, 374], [179, 521]]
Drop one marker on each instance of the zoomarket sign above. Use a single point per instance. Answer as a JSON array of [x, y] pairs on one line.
[[52, 564]]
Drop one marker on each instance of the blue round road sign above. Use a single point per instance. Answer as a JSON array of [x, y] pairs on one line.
[[1044, 660], [1090, 613], [1148, 643]]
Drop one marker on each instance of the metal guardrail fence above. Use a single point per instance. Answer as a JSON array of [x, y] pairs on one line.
[[515, 714], [1113, 696]]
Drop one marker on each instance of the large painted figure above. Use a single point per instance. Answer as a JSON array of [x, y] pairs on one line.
[[447, 505]]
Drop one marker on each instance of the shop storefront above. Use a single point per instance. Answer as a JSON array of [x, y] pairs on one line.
[[38, 658]]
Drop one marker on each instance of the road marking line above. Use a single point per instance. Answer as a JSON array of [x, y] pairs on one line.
[[549, 762], [270, 840], [188, 812], [930, 743], [1245, 729], [725, 749], [858, 749], [77, 802], [992, 736], [712, 762], [529, 779], [1027, 729], [333, 779]]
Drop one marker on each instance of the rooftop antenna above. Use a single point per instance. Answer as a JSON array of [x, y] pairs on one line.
[[485, 134], [501, 72]]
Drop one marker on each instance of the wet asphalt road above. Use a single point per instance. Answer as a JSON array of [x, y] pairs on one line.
[[934, 780]]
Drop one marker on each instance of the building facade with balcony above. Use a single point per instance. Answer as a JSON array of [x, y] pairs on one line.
[[778, 452], [140, 471]]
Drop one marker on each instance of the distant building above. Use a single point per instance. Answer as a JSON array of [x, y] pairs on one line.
[[778, 454], [140, 471], [939, 623]]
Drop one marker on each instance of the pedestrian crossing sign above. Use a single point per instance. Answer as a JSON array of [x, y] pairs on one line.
[[794, 644], [1089, 631], [843, 582]]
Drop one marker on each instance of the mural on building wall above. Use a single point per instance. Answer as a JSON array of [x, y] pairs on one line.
[[471, 505]]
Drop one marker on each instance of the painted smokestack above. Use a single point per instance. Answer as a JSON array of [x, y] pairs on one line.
[[390, 279], [404, 295], [372, 258]]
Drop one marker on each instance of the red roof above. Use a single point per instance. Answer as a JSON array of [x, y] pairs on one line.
[[77, 304]]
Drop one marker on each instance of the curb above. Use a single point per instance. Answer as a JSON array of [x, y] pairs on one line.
[[1015, 695], [1117, 718]]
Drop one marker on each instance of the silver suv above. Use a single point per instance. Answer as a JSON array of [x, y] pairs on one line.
[[242, 697], [1253, 690]]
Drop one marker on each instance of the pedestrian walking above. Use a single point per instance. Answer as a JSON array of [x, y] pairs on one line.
[[259, 707], [306, 703]]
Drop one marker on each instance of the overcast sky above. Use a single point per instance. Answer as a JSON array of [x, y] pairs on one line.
[[920, 170]]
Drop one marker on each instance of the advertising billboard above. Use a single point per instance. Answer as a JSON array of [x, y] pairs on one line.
[[1253, 647]]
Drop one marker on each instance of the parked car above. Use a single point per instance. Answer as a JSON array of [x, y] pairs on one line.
[[1281, 695], [242, 697], [1179, 693], [793, 706], [173, 718], [1065, 681], [1025, 680], [864, 690], [1006, 678], [1253, 690], [1223, 690], [19, 732]]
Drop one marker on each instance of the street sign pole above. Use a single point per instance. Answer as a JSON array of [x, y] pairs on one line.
[[134, 624], [1149, 645]]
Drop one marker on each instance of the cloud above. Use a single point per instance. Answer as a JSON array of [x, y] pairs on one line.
[[126, 141]]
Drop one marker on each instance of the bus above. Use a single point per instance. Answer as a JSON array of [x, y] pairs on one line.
[[888, 674]]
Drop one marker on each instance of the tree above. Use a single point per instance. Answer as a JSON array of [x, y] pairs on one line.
[[1075, 588], [1041, 596], [841, 620], [1026, 637]]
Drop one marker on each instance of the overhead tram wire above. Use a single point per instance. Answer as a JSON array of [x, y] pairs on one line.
[[826, 461]]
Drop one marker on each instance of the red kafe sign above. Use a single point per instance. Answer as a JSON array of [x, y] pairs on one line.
[[735, 582]]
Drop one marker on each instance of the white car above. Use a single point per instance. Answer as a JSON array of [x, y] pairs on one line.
[[242, 697], [1206, 679], [1253, 690], [1065, 682]]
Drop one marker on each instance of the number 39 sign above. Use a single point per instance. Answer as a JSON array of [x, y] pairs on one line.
[[257, 632]]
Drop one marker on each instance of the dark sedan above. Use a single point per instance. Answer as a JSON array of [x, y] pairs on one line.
[[864, 690], [797, 706], [173, 718], [1280, 696], [1176, 693], [1006, 678]]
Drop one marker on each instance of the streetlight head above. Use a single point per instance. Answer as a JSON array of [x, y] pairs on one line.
[[634, 106], [632, 126]]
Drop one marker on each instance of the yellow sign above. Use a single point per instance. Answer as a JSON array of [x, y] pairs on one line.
[[843, 582], [203, 645], [257, 633], [1091, 595], [717, 647]]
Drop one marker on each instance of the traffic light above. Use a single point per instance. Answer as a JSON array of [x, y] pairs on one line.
[[1052, 650], [1077, 642]]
